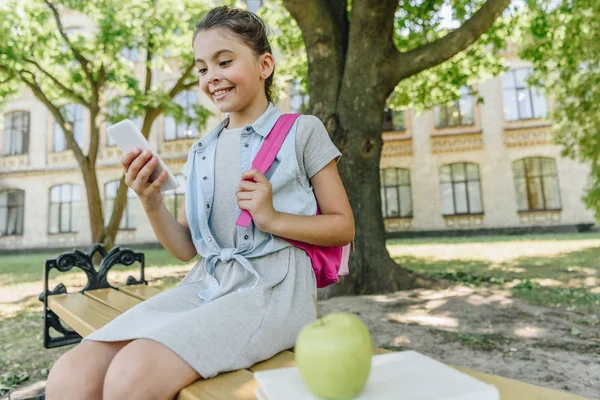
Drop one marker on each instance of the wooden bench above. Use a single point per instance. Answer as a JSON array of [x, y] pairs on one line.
[[99, 302]]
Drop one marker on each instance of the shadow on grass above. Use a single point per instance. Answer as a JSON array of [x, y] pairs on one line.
[[568, 279]]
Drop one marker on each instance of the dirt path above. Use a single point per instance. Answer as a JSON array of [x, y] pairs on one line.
[[486, 330]]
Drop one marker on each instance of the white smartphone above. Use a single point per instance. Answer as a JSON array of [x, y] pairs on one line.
[[127, 136]]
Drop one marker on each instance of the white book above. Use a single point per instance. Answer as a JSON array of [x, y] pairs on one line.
[[406, 375]]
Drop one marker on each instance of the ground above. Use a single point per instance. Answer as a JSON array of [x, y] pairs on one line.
[[526, 308]]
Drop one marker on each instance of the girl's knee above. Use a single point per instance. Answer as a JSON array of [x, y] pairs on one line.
[[123, 381], [79, 373], [70, 377]]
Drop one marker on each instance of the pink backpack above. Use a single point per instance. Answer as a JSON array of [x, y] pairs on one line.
[[327, 261]]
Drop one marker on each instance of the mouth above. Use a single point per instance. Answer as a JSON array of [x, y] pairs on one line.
[[221, 93]]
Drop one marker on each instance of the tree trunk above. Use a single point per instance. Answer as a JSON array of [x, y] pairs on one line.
[[94, 202]]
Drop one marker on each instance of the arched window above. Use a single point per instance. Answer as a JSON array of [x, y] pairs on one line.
[[129, 212], [460, 188], [65, 203], [16, 133], [12, 210], [396, 200], [174, 198], [536, 184]]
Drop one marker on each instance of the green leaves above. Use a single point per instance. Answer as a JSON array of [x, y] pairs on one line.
[[563, 43]]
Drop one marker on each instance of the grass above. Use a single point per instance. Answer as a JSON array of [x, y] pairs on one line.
[[30, 267], [565, 279]]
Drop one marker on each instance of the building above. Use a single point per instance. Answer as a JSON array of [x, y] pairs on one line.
[[469, 166]]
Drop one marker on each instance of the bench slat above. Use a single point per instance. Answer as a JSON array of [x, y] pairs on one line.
[[280, 360], [113, 298], [231, 385], [82, 313], [142, 292]]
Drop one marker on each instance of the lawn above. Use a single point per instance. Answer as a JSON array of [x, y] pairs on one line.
[[558, 271]]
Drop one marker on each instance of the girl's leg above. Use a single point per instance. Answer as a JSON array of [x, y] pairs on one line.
[[79, 373], [146, 369]]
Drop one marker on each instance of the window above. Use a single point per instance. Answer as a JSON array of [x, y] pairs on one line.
[[12, 207], [173, 130], [393, 120], [65, 202], [298, 100], [520, 101], [129, 212], [174, 198], [73, 113], [457, 114], [396, 201], [536, 184], [460, 189], [16, 133]]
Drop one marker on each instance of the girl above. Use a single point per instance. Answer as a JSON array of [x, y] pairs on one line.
[[251, 292]]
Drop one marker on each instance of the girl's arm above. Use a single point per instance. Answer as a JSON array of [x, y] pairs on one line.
[[335, 225], [174, 235]]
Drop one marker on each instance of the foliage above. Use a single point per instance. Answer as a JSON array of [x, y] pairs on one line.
[[562, 40]]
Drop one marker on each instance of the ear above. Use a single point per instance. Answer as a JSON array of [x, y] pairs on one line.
[[267, 65]]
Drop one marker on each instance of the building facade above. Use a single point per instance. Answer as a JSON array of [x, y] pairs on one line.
[[468, 166]]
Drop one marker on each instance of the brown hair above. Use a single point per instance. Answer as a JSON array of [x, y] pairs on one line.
[[245, 25]]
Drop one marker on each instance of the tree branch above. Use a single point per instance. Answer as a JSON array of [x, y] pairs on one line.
[[37, 91], [80, 58], [403, 65], [69, 92], [180, 85]]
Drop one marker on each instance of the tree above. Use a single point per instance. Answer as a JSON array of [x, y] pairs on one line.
[[562, 40], [61, 65], [361, 51]]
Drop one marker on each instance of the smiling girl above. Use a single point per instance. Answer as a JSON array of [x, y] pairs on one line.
[[250, 292]]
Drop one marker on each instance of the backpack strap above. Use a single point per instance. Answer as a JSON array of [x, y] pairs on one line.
[[267, 153]]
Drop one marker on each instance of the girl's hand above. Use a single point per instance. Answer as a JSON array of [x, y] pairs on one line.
[[138, 166], [255, 195]]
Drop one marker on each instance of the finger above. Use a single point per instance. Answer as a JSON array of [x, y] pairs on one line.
[[127, 158], [247, 186], [144, 174], [244, 195], [137, 164], [255, 175], [158, 182], [245, 205]]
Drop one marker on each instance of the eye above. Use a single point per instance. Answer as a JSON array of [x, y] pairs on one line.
[[224, 63], [201, 71]]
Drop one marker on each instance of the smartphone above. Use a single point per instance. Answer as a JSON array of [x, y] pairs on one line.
[[127, 136]]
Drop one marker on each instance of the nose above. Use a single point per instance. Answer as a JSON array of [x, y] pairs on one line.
[[213, 78]]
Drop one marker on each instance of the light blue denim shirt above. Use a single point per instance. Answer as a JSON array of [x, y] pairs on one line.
[[292, 194]]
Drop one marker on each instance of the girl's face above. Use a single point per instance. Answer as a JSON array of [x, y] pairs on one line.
[[231, 75]]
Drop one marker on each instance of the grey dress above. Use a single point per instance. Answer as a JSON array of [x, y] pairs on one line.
[[237, 328]]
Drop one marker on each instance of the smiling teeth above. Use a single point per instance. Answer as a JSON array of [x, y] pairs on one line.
[[220, 92]]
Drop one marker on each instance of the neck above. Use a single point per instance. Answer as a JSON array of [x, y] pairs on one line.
[[238, 119]]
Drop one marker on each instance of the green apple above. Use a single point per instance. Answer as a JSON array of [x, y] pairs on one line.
[[334, 356]]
